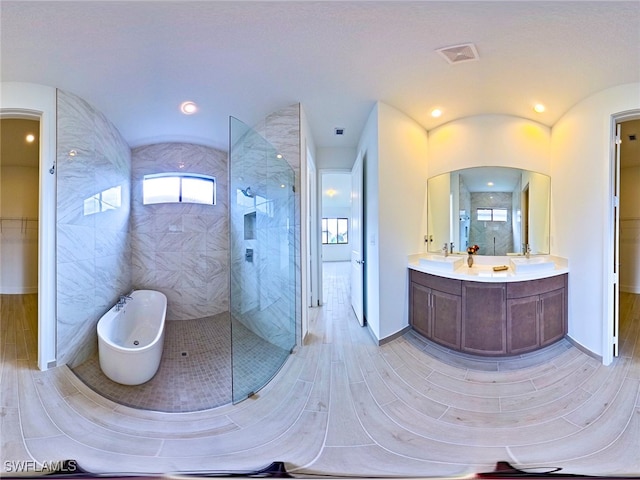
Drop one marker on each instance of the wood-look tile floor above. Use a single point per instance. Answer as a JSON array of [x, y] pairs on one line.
[[343, 406]]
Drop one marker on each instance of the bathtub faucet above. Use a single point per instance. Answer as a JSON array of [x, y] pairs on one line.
[[122, 301]]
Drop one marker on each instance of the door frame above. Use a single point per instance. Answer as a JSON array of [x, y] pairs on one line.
[[612, 286], [38, 102], [314, 278]]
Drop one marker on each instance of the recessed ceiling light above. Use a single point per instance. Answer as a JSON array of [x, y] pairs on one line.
[[188, 107], [538, 107], [279, 155], [436, 112], [30, 138], [490, 184]]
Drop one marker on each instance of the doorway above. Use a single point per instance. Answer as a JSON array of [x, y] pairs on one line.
[[625, 221], [19, 199], [38, 102], [629, 214]]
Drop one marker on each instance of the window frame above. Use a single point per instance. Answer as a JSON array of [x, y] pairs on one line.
[[180, 176], [324, 232]]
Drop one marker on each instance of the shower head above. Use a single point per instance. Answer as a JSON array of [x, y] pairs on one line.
[[247, 192]]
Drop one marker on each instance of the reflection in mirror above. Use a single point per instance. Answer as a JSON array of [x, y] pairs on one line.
[[500, 209]]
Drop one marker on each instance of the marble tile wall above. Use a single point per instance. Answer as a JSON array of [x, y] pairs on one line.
[[282, 129], [493, 238], [93, 207], [182, 250]]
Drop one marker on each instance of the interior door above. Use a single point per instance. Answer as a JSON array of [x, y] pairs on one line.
[[357, 257], [616, 241]]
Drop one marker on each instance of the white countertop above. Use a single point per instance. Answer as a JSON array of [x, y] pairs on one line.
[[482, 269]]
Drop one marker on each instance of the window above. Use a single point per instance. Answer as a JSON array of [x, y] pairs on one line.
[[335, 231], [492, 214], [178, 188]]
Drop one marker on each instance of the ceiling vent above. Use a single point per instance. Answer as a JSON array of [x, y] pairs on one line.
[[459, 53], [339, 131]]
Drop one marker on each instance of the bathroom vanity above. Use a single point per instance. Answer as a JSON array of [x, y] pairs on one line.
[[481, 311]]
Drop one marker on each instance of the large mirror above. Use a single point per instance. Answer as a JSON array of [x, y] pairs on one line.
[[500, 209]]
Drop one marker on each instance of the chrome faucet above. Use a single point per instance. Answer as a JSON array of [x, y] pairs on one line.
[[451, 247], [122, 301], [527, 251], [445, 250]]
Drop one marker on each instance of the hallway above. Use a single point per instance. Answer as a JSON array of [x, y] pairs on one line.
[[343, 406]]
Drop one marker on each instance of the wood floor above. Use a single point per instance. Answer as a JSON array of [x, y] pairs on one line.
[[344, 406]]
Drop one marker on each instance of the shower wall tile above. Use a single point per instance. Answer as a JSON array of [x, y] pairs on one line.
[[283, 129], [93, 250], [177, 248]]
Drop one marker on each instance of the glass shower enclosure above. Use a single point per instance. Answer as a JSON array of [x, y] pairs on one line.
[[262, 219]]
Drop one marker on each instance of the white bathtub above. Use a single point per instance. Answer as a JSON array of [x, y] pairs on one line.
[[130, 340]]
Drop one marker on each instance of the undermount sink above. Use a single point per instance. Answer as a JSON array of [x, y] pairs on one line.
[[532, 264], [440, 261]]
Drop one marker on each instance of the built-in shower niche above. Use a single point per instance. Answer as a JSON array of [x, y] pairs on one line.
[[250, 226]]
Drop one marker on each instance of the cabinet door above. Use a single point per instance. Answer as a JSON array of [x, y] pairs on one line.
[[446, 322], [552, 316], [420, 313], [484, 313], [523, 325]]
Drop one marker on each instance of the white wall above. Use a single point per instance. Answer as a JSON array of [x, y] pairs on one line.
[[396, 176], [580, 208], [489, 140]]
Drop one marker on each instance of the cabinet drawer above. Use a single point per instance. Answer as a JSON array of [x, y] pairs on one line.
[[442, 284], [535, 287]]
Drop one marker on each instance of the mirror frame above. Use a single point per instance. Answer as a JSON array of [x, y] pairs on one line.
[[450, 210]]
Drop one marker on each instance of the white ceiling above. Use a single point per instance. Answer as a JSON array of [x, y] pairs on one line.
[[136, 61]]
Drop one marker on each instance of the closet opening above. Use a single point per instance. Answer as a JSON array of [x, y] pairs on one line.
[[19, 232]]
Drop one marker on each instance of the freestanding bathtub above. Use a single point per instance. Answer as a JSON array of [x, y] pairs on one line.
[[130, 339]]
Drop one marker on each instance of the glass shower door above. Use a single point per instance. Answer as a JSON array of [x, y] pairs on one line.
[[262, 307]]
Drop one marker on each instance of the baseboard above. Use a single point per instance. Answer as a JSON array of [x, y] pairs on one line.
[[390, 337], [583, 349], [630, 288]]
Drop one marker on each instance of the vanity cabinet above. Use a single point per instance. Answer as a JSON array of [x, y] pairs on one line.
[[485, 316], [536, 313], [436, 307], [489, 318]]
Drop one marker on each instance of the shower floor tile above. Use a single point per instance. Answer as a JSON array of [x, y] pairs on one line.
[[195, 370], [194, 373]]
